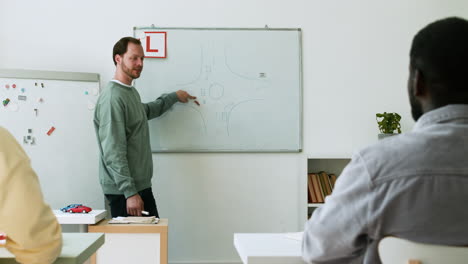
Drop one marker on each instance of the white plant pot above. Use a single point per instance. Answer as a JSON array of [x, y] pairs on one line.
[[382, 136]]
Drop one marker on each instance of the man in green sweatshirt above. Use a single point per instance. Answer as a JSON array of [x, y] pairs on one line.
[[121, 124]]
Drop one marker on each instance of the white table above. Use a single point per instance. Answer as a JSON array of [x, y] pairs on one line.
[[76, 248], [81, 219], [271, 248]]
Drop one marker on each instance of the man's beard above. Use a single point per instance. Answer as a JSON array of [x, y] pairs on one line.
[[416, 108], [130, 73]]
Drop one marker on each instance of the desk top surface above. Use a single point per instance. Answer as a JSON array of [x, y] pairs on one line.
[[104, 227], [80, 218], [268, 248], [76, 248]]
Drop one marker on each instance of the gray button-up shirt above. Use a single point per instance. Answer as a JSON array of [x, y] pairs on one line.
[[413, 186]]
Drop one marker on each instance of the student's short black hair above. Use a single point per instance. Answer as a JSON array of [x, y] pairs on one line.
[[121, 46], [440, 53]]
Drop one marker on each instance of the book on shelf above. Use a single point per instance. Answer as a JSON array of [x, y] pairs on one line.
[[329, 183], [312, 195], [320, 185], [310, 192], [325, 180], [332, 179], [317, 189]]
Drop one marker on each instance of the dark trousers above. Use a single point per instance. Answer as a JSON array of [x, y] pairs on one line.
[[118, 203]]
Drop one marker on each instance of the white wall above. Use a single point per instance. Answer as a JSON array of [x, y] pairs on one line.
[[355, 57]]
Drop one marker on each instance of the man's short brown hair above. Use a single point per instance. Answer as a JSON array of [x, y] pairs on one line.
[[121, 46]]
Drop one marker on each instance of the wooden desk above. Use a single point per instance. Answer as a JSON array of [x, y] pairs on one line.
[[262, 248], [139, 243], [76, 248]]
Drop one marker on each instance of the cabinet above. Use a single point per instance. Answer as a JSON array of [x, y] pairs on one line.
[[138, 243], [329, 165]]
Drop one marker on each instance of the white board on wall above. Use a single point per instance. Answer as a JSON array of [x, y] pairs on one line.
[[248, 83], [66, 161]]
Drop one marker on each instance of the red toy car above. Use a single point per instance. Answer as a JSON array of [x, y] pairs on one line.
[[80, 209]]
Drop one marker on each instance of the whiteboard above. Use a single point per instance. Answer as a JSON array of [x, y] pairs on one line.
[[66, 161], [248, 82]]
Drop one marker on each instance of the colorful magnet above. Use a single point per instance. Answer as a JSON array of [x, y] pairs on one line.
[[6, 101], [50, 131], [14, 86]]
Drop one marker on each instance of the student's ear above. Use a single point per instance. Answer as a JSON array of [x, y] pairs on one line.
[[419, 84]]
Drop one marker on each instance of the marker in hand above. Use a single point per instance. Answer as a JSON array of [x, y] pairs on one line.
[[184, 97], [145, 212]]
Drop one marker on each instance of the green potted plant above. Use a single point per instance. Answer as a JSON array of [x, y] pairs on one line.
[[388, 124]]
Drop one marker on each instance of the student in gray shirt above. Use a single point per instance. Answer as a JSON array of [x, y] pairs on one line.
[[413, 185]]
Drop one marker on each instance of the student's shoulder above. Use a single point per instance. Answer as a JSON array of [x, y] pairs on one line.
[[397, 145], [391, 155], [9, 145], [5, 136]]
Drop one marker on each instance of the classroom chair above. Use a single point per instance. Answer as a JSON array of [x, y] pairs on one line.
[[393, 250]]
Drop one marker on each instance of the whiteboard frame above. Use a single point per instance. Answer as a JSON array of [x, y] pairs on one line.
[[49, 75], [301, 87]]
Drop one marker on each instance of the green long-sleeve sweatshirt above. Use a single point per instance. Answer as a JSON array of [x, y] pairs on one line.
[[121, 125]]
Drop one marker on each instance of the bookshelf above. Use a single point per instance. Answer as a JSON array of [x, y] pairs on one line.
[[329, 165]]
